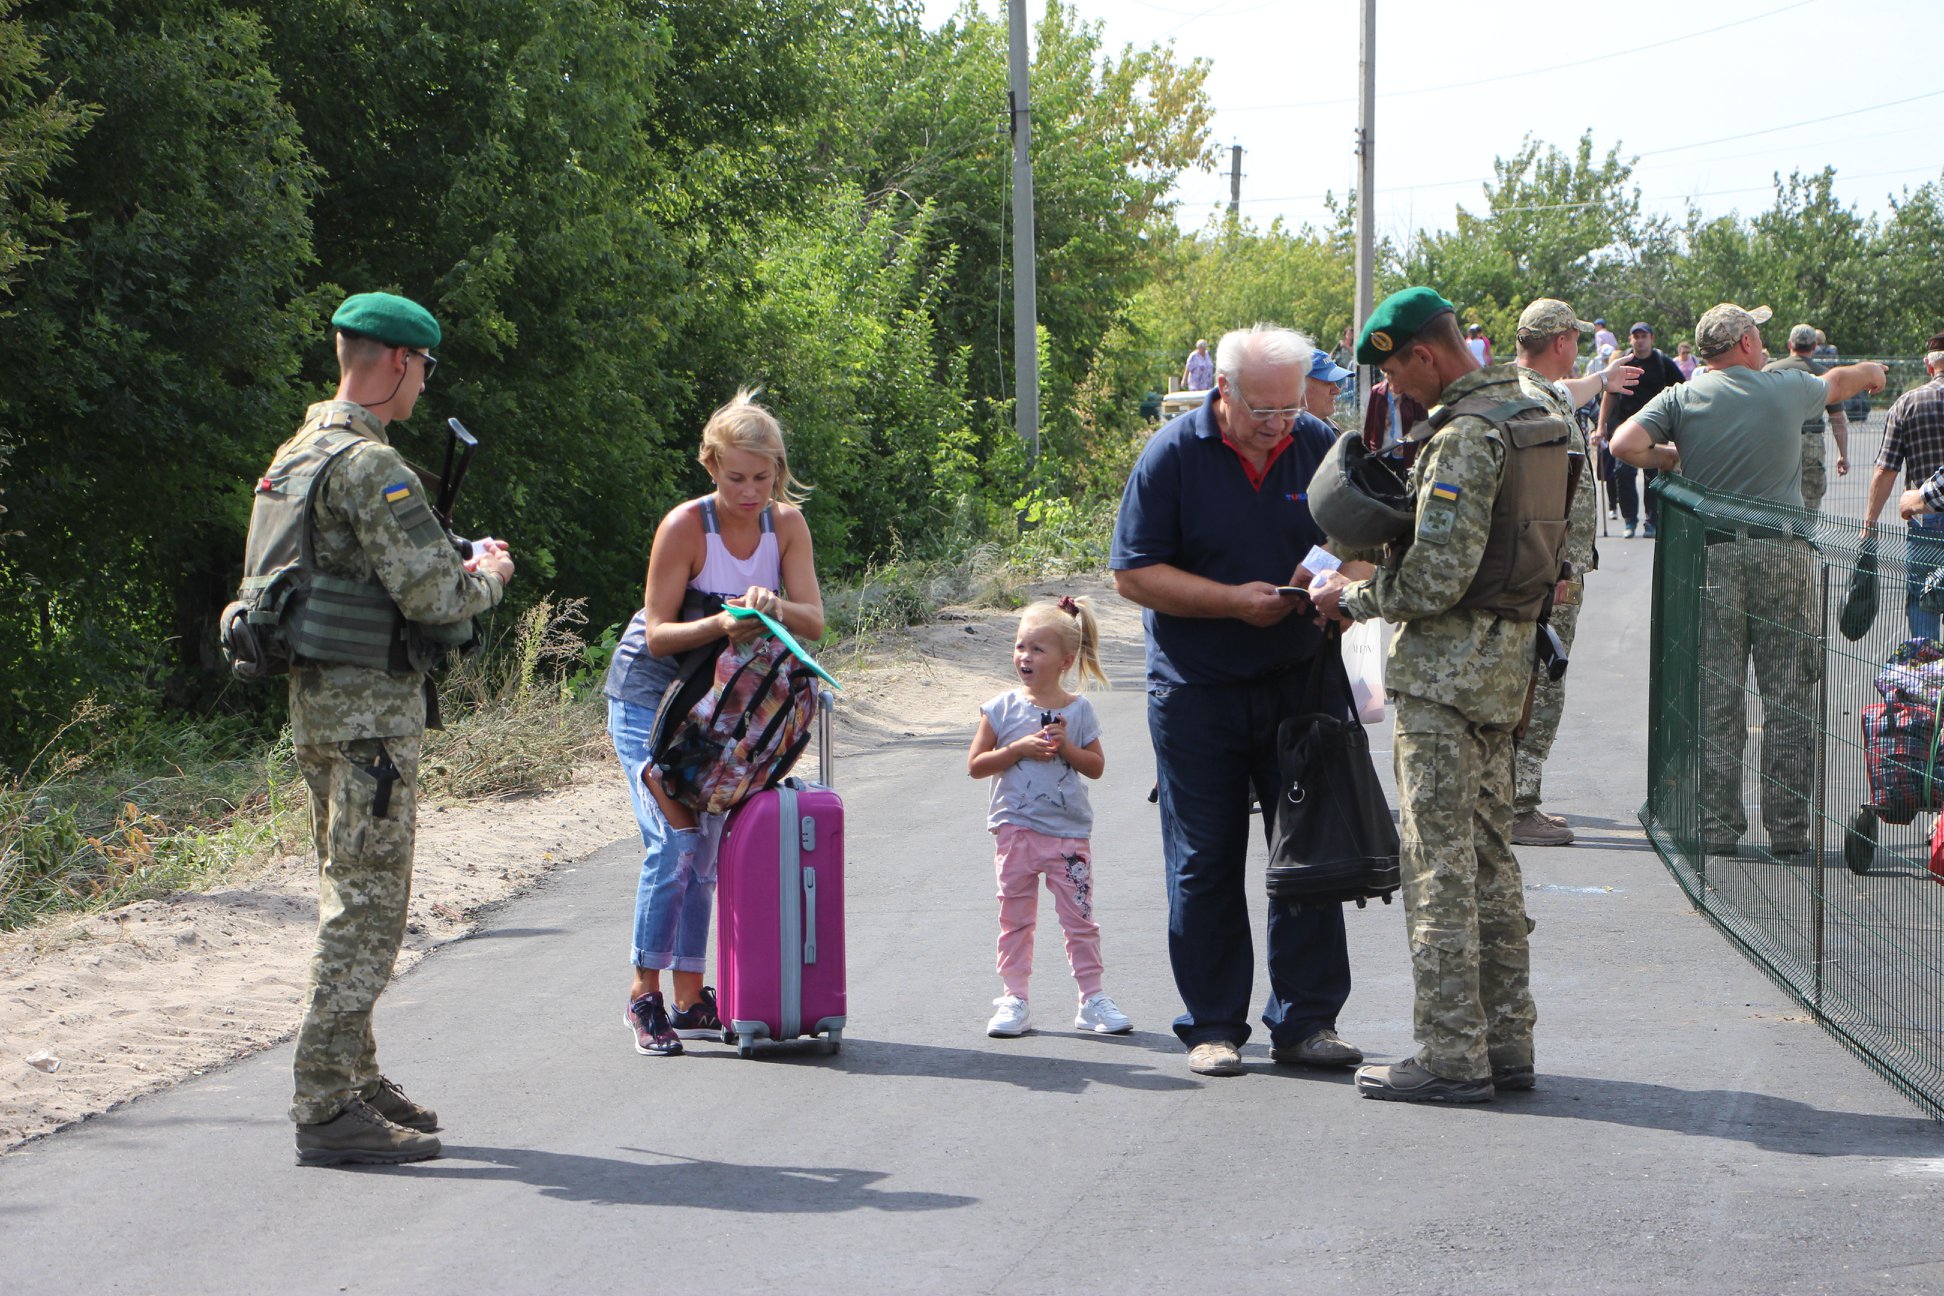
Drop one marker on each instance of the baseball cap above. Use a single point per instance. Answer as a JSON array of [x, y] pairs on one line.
[[1549, 316], [1802, 335], [1599, 323], [1724, 325], [1396, 321], [1326, 369], [1640, 326]]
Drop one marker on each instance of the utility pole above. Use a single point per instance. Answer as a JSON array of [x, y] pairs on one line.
[[1025, 271], [1366, 186], [1235, 182]]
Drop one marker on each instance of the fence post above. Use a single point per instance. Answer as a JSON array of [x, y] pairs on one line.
[[1822, 781]]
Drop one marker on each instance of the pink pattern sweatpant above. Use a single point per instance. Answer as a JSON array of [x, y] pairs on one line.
[[1023, 856]]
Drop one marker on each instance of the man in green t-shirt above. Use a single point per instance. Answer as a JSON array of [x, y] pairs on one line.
[[1736, 429]]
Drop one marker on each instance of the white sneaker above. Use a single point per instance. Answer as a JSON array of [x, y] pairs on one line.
[[1102, 1016], [1014, 1018]]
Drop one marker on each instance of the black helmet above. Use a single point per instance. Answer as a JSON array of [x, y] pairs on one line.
[[1359, 498]]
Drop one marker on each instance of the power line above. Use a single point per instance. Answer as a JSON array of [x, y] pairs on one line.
[[1770, 130]]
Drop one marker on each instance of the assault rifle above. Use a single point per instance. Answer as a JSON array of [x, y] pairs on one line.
[[460, 446]]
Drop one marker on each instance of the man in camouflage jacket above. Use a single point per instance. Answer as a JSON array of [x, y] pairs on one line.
[[358, 732], [1458, 671]]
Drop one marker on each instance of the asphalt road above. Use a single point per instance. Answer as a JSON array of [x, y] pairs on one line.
[[1691, 1130]]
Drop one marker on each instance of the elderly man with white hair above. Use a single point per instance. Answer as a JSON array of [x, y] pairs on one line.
[[1213, 520]]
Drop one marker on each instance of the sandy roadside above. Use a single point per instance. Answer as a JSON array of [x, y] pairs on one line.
[[136, 999]]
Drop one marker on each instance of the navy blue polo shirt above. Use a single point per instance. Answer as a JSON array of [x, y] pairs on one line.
[[1189, 504]]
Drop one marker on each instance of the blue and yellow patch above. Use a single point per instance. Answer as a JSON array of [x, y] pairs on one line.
[[1444, 491], [398, 492]]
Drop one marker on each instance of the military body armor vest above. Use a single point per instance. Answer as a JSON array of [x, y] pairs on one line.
[[1529, 513], [287, 612]]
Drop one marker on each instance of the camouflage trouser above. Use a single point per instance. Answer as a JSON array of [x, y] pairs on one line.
[[1463, 901], [1815, 477], [1548, 701], [1759, 601], [364, 879]]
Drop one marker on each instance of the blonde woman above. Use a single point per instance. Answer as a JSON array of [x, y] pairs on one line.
[[744, 544]]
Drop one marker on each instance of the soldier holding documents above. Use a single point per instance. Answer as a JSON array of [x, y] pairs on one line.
[[380, 594], [1467, 579]]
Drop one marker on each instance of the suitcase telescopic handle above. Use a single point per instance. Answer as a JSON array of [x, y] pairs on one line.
[[826, 722]]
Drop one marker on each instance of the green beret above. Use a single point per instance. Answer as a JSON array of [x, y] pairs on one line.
[[393, 320], [1396, 321]]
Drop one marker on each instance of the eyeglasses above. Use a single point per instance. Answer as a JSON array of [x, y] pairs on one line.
[[1233, 393], [1267, 415], [431, 361]]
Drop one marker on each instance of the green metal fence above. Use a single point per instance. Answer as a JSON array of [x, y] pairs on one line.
[[1805, 841]]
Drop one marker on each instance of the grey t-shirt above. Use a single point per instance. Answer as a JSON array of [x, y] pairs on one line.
[[1739, 429], [1046, 796]]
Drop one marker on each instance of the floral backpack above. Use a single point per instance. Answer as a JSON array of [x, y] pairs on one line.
[[743, 734]]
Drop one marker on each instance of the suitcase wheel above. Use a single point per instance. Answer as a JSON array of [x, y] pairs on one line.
[[836, 1040], [746, 1046], [1860, 843]]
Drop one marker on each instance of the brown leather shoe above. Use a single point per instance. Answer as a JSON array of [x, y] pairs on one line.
[[1407, 1081], [1536, 829], [1325, 1048], [358, 1135], [390, 1102], [1215, 1058]]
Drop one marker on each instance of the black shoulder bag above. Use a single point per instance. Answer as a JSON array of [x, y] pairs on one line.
[[1331, 836]]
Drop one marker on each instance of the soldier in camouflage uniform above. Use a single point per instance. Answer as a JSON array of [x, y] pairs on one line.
[[1548, 341], [1465, 593], [1804, 343], [358, 730]]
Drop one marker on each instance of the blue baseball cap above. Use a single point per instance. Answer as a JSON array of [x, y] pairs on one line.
[[1321, 366]]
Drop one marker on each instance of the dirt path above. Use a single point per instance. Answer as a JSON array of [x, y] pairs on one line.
[[122, 1003]]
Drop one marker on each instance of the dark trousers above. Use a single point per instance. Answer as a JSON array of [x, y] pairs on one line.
[[1630, 499], [1213, 745]]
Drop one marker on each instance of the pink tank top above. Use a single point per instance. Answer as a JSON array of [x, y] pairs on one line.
[[725, 574]]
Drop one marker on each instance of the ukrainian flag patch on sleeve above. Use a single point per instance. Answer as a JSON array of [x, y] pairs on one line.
[[1444, 491], [398, 492]]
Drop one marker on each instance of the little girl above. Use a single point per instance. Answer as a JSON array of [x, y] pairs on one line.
[[1034, 743]]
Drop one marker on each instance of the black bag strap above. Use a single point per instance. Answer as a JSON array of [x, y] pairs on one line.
[[1311, 702]]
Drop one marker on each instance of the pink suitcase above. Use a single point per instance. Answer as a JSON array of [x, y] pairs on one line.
[[780, 911]]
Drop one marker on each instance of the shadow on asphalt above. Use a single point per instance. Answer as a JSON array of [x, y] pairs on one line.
[[1003, 1063], [1763, 1120], [677, 1181]]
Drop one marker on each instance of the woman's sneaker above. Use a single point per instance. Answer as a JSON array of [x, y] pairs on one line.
[[1103, 1016], [699, 1019], [648, 1019], [1013, 1019]]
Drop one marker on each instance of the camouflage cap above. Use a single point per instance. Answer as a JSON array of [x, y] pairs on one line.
[[1549, 316], [1802, 335], [1397, 320], [1724, 325], [393, 320]]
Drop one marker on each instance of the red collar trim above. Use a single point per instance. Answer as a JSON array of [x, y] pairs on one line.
[[1249, 470]]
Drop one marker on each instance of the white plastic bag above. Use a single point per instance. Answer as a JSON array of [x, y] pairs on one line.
[[1365, 646]]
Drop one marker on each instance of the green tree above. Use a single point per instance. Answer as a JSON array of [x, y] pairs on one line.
[[1555, 225], [150, 346]]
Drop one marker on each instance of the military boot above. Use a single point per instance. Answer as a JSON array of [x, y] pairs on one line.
[[389, 1101], [358, 1135], [1408, 1081]]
